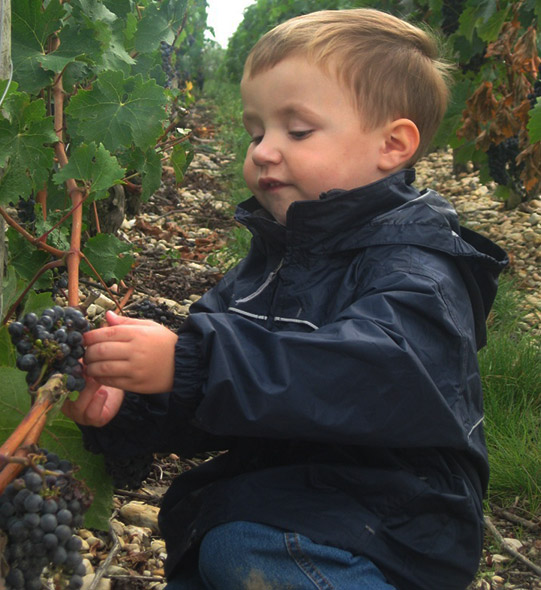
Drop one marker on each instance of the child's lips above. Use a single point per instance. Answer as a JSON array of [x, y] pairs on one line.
[[267, 184]]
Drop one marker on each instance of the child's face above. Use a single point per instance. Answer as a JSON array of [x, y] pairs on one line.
[[307, 136]]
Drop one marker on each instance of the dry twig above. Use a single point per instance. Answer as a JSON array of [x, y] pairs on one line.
[[507, 547]]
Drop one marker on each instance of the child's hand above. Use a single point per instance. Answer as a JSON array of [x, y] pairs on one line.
[[137, 355], [96, 405]]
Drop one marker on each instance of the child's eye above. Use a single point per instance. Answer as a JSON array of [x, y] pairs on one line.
[[300, 134], [256, 139]]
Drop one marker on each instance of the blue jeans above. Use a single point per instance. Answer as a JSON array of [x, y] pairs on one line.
[[250, 556]]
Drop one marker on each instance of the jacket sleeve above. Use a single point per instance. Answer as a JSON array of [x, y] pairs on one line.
[[397, 367]]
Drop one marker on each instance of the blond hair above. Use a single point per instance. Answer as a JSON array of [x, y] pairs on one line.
[[392, 68]]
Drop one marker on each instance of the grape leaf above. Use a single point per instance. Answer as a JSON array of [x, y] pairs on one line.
[[94, 166], [24, 154], [151, 173], [76, 43], [119, 111], [152, 29], [31, 28], [104, 25], [181, 157], [62, 437], [27, 259], [534, 124], [11, 288], [108, 255], [7, 351], [37, 302], [95, 11]]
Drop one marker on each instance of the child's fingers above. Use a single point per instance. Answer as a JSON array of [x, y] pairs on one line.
[[77, 410], [100, 370], [122, 333], [110, 351]]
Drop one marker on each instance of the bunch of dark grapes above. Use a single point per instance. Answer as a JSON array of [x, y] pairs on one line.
[[502, 162], [40, 512], [167, 52], [159, 312], [451, 11], [26, 211], [52, 343]]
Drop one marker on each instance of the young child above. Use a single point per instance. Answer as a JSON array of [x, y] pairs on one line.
[[337, 363]]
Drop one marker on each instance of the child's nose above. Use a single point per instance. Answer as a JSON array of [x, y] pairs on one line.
[[266, 152]]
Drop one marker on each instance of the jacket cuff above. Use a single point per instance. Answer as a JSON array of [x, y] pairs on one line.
[[189, 369], [128, 433]]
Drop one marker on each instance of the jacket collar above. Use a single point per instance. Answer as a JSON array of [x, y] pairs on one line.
[[337, 213]]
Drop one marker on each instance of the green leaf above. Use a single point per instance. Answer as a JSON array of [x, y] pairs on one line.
[[108, 255], [534, 124], [63, 437], [152, 29], [31, 28], [14, 401], [24, 153], [94, 166], [11, 289], [7, 351], [27, 260], [95, 10], [151, 174], [37, 302], [106, 28], [490, 29], [119, 111], [76, 43], [181, 157]]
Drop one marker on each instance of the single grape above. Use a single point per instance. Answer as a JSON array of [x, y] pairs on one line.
[[74, 338], [33, 503], [48, 522], [27, 362], [50, 541], [75, 582], [50, 506], [63, 533], [73, 560], [64, 517], [61, 335], [18, 531], [16, 331], [59, 556], [46, 321], [15, 578], [31, 520], [74, 543], [30, 320], [33, 481]]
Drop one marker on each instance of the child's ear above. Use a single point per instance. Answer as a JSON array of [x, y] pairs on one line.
[[401, 142]]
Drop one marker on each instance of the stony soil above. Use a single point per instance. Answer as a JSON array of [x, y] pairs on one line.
[[175, 233]]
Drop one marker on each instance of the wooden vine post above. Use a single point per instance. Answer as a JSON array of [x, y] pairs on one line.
[[5, 71]]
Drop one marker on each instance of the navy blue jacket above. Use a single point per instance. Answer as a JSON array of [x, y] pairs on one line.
[[337, 364]]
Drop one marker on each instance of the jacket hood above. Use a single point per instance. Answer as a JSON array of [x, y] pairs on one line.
[[387, 212]]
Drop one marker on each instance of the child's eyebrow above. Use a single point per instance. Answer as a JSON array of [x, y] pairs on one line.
[[295, 109]]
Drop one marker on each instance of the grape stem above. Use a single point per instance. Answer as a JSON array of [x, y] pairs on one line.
[[49, 396]]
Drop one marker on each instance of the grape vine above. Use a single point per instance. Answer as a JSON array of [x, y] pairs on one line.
[[89, 116]]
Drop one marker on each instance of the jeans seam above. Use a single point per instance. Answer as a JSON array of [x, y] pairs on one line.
[[305, 564]]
